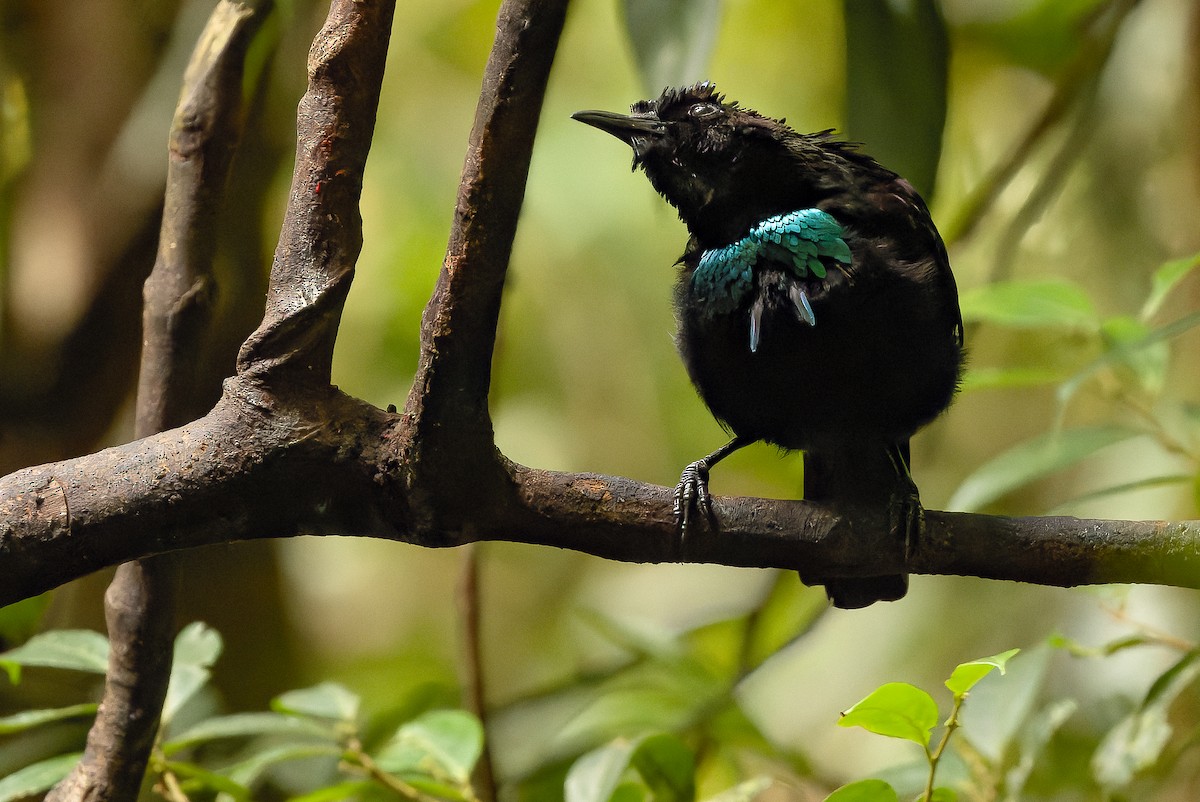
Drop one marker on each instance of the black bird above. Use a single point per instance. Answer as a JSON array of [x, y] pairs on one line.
[[815, 302]]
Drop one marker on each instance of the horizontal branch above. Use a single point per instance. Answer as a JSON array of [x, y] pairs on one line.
[[328, 464]]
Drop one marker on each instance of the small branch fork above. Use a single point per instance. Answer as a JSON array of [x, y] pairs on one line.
[[284, 453]]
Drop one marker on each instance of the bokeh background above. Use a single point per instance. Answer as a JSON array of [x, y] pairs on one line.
[[1084, 117]]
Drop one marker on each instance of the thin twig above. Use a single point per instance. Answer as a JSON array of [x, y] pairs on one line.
[[472, 665]]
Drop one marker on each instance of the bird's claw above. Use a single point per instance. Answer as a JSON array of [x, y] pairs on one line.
[[691, 494]]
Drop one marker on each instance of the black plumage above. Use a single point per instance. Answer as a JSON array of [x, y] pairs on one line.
[[845, 365]]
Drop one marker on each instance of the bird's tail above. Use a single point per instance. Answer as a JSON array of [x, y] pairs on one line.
[[860, 476]]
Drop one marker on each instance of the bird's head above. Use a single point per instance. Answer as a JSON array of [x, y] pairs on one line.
[[700, 151]]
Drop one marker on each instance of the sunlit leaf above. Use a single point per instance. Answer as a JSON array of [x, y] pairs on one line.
[[28, 719], [944, 794], [197, 648], [897, 55], [1032, 303], [672, 40], [1033, 459], [1165, 279], [965, 675], [444, 744], [1138, 740], [37, 778], [595, 776], [198, 644], [327, 700], [897, 710], [74, 649], [864, 791]]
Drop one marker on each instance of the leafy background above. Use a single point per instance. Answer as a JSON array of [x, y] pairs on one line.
[[1059, 146]]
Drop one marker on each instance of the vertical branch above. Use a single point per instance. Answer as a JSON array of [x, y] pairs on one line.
[[458, 330], [178, 295], [322, 227]]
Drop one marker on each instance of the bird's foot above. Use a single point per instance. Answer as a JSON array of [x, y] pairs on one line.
[[907, 516], [691, 494]]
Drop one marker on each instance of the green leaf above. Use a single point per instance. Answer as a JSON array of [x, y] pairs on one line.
[[897, 710], [1137, 741], [28, 719], [1043, 35], [1114, 490], [944, 795], [247, 772], [864, 791], [1125, 352], [1034, 303], [19, 620], [1077, 649], [202, 777], [246, 725], [1033, 459], [37, 778], [663, 694], [789, 611], [353, 789], [198, 644], [667, 767], [197, 647], [595, 776], [672, 39], [444, 744], [630, 792], [1035, 735], [72, 649], [1008, 378], [965, 675], [327, 700], [897, 58], [1165, 279], [1144, 366], [746, 791]]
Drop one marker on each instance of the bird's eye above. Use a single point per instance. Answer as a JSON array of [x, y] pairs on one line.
[[704, 111]]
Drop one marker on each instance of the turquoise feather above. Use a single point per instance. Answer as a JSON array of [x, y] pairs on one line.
[[798, 239]]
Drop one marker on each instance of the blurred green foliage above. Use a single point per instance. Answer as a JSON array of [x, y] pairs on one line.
[[1080, 398]]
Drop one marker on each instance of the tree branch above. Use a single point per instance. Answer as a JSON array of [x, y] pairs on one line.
[[322, 228]]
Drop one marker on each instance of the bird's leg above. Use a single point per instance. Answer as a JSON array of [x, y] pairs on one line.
[[692, 490], [908, 514]]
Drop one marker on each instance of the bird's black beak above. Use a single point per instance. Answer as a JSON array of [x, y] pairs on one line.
[[625, 127]]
